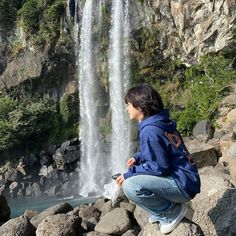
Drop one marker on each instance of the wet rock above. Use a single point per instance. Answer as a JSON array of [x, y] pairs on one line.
[[59, 225], [4, 210], [59, 208], [18, 226], [65, 145], [115, 222], [203, 131]]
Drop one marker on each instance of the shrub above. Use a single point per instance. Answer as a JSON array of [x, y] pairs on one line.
[[29, 16], [25, 121]]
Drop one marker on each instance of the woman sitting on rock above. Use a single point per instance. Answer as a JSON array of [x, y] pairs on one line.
[[161, 175]]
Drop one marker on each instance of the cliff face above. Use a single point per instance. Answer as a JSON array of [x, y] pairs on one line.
[[177, 29], [188, 29]]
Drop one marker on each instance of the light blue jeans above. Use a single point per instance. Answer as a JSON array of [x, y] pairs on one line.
[[159, 196]]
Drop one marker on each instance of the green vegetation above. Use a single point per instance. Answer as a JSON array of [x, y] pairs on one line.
[[198, 97], [25, 121], [41, 20], [8, 11]]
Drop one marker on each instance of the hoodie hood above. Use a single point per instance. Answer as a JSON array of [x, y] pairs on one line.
[[160, 120]]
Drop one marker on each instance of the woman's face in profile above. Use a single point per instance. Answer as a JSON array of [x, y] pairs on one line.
[[134, 113]]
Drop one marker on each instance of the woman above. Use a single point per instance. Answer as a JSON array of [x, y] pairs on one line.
[[161, 175]]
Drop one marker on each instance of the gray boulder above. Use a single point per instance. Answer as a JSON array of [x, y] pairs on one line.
[[128, 206], [202, 154], [213, 186], [11, 174], [59, 208], [115, 222], [90, 216], [141, 216], [5, 211], [17, 226], [99, 203], [232, 163], [203, 131], [93, 233], [59, 225], [223, 215], [185, 228]]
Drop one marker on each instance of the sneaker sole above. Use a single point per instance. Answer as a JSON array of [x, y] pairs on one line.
[[181, 215]]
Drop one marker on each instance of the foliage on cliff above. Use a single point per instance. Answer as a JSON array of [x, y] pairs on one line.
[[41, 19], [199, 95], [26, 120]]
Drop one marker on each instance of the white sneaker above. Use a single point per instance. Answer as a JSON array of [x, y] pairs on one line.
[[167, 228]]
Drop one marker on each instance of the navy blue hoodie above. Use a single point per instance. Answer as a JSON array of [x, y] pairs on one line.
[[163, 153]]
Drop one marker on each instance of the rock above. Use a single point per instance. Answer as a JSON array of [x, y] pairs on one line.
[[45, 159], [59, 208], [51, 149], [106, 208], [141, 216], [223, 214], [203, 131], [232, 163], [36, 192], [128, 206], [115, 222], [13, 187], [90, 216], [131, 232], [17, 226], [99, 203], [231, 116], [5, 211], [11, 174], [226, 142], [30, 213], [93, 233], [21, 168], [213, 186], [31, 160], [202, 154], [59, 225], [185, 228], [65, 145], [87, 212], [43, 171]]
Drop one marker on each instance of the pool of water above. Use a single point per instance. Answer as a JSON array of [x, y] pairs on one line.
[[18, 206]]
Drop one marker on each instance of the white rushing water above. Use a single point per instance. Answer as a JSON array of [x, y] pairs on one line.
[[119, 82], [91, 174]]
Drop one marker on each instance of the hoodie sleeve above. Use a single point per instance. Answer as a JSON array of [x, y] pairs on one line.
[[155, 160], [137, 157]]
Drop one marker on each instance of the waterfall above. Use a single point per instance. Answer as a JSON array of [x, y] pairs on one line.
[[91, 174], [118, 78]]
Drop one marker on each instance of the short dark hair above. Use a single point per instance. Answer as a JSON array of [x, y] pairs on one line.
[[146, 98]]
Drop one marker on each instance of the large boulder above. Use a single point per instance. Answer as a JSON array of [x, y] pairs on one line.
[[213, 186], [223, 214], [115, 222], [59, 225], [202, 154], [185, 228], [18, 226], [5, 211], [57, 209]]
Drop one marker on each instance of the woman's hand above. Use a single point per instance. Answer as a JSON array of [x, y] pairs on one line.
[[131, 162], [120, 179]]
